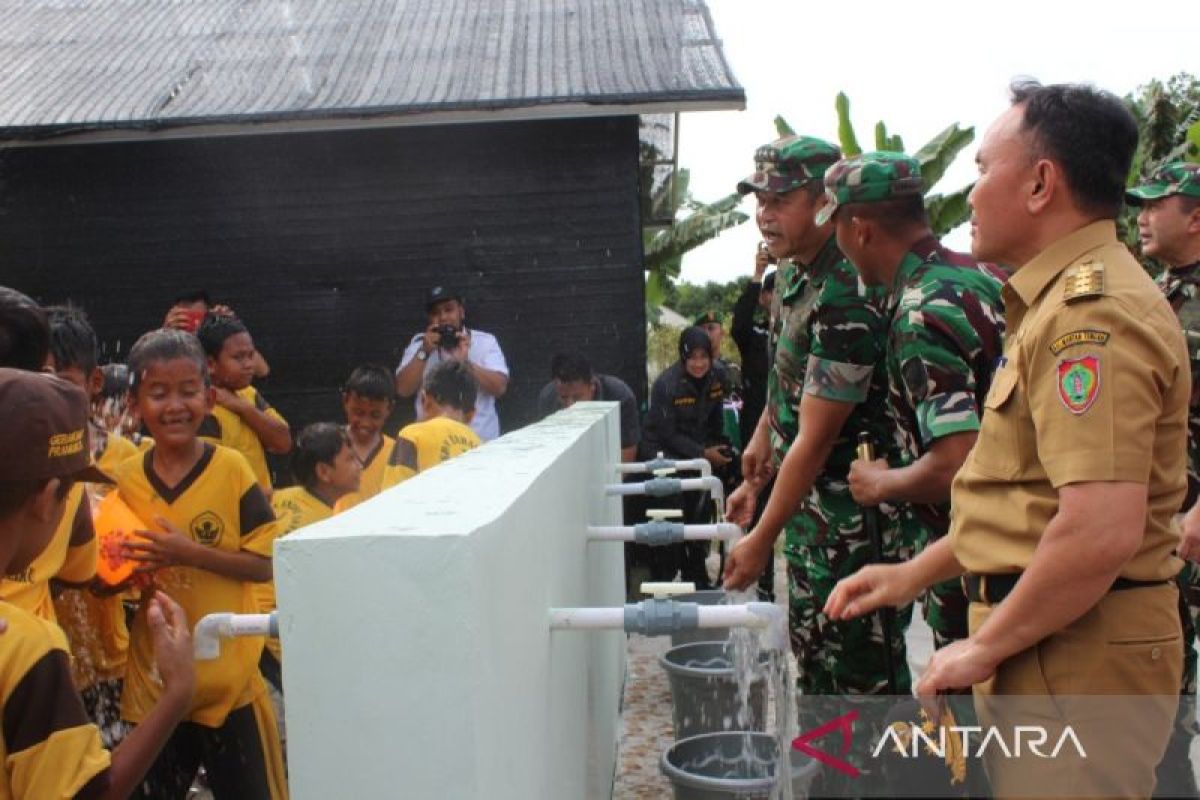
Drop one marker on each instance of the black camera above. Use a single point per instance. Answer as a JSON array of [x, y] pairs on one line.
[[447, 337]]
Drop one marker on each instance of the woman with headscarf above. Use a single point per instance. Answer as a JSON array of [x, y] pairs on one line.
[[685, 421]]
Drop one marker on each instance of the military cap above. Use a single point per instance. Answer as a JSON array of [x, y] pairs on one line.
[[789, 163], [1175, 177], [707, 318], [868, 178]]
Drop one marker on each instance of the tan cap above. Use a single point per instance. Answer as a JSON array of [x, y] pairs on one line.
[[45, 429]]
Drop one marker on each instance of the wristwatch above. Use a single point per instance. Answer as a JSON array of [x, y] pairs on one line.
[[421, 355]]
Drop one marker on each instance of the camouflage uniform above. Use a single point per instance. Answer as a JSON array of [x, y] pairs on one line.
[[945, 331], [1181, 286], [826, 340]]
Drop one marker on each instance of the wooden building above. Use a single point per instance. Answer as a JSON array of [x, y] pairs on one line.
[[319, 164]]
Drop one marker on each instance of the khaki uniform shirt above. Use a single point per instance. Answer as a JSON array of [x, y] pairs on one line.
[[1093, 386]]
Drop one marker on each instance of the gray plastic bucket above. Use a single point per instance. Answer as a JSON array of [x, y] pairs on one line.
[[710, 597], [714, 766], [704, 690]]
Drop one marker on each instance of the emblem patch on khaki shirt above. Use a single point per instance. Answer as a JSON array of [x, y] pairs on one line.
[[1078, 337], [1079, 382]]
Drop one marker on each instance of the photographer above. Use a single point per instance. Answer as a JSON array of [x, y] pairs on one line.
[[447, 337]]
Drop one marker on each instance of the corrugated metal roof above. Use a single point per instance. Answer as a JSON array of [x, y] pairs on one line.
[[85, 65]]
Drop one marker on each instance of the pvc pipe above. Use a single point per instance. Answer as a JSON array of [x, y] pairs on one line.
[[708, 484], [562, 619], [749, 615], [206, 638], [628, 533], [642, 467]]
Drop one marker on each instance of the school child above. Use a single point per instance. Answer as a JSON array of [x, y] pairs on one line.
[[50, 750], [368, 399], [448, 397], [328, 471], [242, 418], [70, 556], [92, 617], [211, 529]]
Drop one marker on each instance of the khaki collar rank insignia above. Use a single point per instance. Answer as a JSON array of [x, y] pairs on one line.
[[1084, 280]]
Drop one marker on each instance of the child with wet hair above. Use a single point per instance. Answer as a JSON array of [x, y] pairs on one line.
[[92, 616], [241, 418], [448, 397], [368, 399], [50, 747], [327, 469], [211, 530]]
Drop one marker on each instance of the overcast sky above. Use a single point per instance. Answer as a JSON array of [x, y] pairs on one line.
[[918, 66]]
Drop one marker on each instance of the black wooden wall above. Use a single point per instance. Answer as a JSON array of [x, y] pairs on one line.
[[325, 243]]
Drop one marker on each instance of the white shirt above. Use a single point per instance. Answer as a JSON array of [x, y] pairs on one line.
[[483, 352]]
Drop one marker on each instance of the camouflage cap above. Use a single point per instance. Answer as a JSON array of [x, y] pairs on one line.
[[1175, 177], [868, 178], [789, 163]]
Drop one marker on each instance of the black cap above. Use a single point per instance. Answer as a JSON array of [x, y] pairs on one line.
[[439, 293]]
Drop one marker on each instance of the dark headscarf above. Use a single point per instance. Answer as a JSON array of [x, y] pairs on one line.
[[694, 339]]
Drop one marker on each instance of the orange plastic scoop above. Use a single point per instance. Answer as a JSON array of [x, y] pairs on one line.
[[115, 525]]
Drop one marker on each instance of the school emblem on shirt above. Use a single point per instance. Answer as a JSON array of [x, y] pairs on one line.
[[207, 528], [1079, 382]]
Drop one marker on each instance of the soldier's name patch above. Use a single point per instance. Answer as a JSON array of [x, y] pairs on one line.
[[1079, 382], [1078, 337]]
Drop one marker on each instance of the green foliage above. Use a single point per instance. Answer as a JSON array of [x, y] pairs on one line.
[[946, 212], [691, 300], [663, 249], [1168, 117], [891, 144], [846, 137]]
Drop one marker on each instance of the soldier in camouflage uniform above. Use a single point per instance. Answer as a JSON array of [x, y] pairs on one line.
[[945, 328], [1169, 228], [827, 366]]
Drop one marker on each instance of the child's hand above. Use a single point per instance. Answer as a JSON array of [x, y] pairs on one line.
[[172, 645], [169, 549], [227, 399]]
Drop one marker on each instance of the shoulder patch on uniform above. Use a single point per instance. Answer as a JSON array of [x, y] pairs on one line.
[[1084, 280], [1078, 337], [1079, 382]]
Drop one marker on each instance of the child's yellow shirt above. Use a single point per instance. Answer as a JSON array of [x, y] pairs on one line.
[[70, 556], [422, 445], [223, 426], [295, 507], [218, 504], [371, 482]]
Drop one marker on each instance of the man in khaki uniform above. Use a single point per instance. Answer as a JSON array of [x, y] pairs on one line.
[[1062, 514]]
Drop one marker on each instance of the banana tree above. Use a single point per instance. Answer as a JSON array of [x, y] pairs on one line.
[[663, 249], [946, 211]]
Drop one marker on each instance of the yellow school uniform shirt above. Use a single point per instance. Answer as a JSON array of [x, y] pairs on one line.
[[218, 504], [116, 449], [70, 557], [371, 482], [95, 626], [422, 445], [223, 426], [295, 507], [48, 747]]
